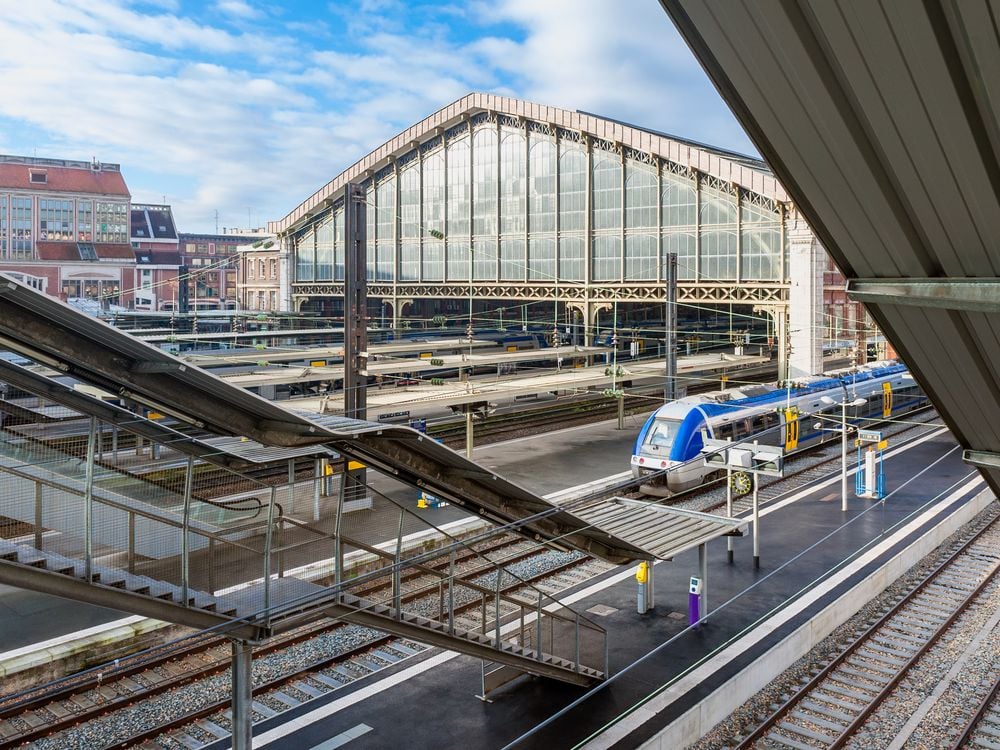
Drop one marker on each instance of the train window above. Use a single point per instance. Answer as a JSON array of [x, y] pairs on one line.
[[741, 428], [662, 433]]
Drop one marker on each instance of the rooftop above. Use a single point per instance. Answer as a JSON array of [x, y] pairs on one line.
[[61, 175]]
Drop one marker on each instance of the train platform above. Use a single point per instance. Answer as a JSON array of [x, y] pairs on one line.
[[817, 564]]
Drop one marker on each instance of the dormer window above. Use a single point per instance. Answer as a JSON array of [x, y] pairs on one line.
[[38, 177]]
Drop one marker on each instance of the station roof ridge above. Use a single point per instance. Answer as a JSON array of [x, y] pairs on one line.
[[729, 167]]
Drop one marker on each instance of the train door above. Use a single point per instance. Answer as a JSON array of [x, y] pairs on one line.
[[886, 399], [791, 428]]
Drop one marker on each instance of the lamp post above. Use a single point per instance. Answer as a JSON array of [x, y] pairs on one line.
[[843, 442]]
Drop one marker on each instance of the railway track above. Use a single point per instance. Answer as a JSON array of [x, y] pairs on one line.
[[172, 701], [833, 706], [983, 729]]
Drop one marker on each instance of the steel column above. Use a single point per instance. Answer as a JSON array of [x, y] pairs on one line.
[[38, 515], [670, 329], [88, 500], [756, 516], [185, 527], [355, 313], [268, 542], [242, 695]]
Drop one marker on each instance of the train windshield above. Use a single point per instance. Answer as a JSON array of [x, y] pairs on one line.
[[661, 434]]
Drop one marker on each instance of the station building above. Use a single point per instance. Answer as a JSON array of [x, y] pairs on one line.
[[157, 257], [64, 228], [571, 217]]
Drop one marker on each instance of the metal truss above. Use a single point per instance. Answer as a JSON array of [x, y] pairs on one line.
[[759, 293]]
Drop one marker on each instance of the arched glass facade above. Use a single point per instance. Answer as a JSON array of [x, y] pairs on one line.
[[497, 199]]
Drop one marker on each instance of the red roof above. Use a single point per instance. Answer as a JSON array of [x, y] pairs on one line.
[[69, 251], [63, 179]]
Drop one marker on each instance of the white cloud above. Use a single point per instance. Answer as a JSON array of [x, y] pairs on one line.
[[239, 9], [623, 59], [235, 120]]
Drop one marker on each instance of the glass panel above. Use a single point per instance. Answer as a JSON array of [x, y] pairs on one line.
[[762, 254], [370, 247], [512, 184], [761, 241], [305, 254], [458, 259], [511, 259], [640, 195], [542, 252], [572, 188], [542, 200], [433, 195], [681, 244], [485, 259], [84, 221], [21, 227], [409, 225], [55, 220], [459, 189], [386, 229], [717, 207], [607, 190], [607, 258], [718, 255], [339, 273], [433, 260], [485, 182], [324, 251], [680, 200], [434, 226], [571, 258], [3, 226], [640, 257]]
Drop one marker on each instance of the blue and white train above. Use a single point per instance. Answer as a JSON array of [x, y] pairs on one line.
[[667, 450]]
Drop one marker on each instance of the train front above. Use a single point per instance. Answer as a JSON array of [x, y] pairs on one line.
[[667, 452]]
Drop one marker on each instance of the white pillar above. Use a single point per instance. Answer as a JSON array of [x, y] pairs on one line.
[[806, 263]]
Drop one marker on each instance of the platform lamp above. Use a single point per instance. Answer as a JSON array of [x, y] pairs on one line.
[[843, 441]]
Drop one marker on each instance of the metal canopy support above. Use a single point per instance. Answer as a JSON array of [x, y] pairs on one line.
[[973, 295], [242, 695], [983, 459], [355, 319], [670, 329]]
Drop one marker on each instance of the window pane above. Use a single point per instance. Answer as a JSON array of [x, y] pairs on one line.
[[485, 182], [542, 200], [640, 257], [682, 244], [607, 190], [640, 195], [512, 259], [571, 252], [679, 199], [512, 187], [459, 189], [542, 252], [572, 188], [607, 258]]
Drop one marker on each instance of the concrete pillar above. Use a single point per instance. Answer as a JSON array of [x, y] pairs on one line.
[[285, 274], [806, 263]]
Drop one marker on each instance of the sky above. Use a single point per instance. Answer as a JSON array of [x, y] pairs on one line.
[[235, 111]]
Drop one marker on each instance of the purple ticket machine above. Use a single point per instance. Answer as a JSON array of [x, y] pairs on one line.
[[694, 601]]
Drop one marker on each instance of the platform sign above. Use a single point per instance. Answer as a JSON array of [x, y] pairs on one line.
[[869, 436]]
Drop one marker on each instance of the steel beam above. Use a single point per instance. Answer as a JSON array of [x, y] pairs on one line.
[[982, 459], [965, 294]]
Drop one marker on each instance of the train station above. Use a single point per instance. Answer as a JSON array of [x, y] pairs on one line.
[[572, 433]]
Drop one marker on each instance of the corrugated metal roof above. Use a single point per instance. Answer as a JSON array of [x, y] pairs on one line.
[[660, 530], [884, 128]]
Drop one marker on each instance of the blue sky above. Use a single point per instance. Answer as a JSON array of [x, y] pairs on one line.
[[246, 107]]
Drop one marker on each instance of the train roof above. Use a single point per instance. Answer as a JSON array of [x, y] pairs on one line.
[[722, 402]]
